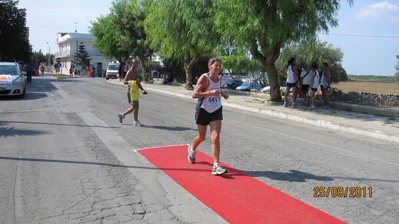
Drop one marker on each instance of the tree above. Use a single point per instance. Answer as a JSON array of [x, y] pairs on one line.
[[82, 56], [14, 43], [267, 26], [397, 68], [183, 30], [319, 52], [121, 35]]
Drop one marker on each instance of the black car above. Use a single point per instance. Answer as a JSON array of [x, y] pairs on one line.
[[231, 83]]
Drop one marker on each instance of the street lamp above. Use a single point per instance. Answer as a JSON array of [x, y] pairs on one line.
[[49, 55]]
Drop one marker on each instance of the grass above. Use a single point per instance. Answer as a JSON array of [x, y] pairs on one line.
[[370, 87], [372, 78]]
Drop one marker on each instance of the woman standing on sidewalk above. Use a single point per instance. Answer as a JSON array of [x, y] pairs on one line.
[[292, 81], [209, 112]]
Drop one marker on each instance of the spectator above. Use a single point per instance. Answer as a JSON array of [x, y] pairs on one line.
[[313, 84], [325, 85], [29, 72], [292, 81], [304, 85]]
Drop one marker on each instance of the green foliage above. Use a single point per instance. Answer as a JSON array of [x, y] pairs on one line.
[[38, 55], [267, 26], [372, 78], [319, 52], [14, 43], [181, 29], [82, 57], [106, 38], [121, 34]]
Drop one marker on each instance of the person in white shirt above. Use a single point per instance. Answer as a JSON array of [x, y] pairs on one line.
[[305, 80], [209, 112], [292, 81], [313, 84]]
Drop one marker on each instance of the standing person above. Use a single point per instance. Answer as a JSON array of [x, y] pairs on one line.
[[305, 80], [94, 71], [29, 72], [292, 80], [88, 71], [313, 84], [132, 79], [209, 112], [325, 85], [42, 69], [126, 68]]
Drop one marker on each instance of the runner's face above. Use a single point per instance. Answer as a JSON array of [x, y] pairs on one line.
[[216, 67]]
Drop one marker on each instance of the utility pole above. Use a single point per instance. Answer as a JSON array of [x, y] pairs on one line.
[[49, 57]]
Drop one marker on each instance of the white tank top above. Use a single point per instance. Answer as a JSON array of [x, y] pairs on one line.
[[290, 75], [306, 76], [316, 80], [212, 103], [323, 79]]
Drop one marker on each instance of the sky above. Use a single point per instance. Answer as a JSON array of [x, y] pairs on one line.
[[367, 34]]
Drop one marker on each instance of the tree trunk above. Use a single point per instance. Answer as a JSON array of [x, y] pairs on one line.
[[188, 67], [272, 74]]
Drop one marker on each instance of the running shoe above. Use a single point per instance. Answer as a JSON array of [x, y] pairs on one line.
[[137, 123], [218, 170], [285, 104], [312, 107], [191, 155], [325, 107], [294, 105], [121, 117]]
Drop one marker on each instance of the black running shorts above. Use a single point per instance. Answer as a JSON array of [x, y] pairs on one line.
[[305, 87], [202, 117]]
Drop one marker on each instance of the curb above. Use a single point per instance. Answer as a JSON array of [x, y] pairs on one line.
[[287, 116]]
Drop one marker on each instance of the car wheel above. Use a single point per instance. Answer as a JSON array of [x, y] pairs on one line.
[[107, 78]]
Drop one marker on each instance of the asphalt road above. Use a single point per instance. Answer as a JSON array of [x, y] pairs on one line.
[[65, 158]]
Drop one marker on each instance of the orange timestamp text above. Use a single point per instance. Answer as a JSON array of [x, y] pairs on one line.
[[342, 192]]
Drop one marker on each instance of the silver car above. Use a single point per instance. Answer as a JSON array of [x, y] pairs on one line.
[[12, 81]]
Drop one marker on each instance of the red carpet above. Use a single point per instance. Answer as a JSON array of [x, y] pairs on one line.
[[235, 196]]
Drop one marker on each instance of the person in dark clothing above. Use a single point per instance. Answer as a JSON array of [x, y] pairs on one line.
[[29, 72]]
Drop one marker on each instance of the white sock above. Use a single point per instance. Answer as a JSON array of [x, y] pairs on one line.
[[215, 164]]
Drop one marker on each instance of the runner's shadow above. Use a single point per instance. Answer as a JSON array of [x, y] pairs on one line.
[[169, 128], [291, 176]]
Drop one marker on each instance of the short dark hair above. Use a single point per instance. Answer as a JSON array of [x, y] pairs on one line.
[[325, 63], [314, 65], [291, 61]]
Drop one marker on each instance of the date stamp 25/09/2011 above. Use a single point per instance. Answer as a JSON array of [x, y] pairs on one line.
[[342, 192]]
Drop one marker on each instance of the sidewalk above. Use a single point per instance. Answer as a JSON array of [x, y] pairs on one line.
[[362, 122]]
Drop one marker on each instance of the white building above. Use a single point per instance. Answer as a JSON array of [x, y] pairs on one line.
[[68, 45]]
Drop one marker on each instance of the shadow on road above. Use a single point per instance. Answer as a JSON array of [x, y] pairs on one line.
[[11, 131]]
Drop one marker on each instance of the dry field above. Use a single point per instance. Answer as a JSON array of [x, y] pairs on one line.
[[371, 87]]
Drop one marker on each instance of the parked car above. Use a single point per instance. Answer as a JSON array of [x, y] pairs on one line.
[[246, 86], [12, 82], [231, 83], [112, 70]]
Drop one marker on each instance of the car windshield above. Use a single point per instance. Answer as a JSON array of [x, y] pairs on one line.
[[113, 67], [8, 70]]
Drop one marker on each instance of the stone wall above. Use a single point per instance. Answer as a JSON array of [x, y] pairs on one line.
[[367, 99]]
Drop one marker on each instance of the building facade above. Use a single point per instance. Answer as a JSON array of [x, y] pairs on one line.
[[68, 45]]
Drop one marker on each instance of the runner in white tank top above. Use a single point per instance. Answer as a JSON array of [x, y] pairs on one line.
[[212, 103], [209, 112]]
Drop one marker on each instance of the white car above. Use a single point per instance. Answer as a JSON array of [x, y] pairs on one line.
[[112, 70], [12, 81]]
